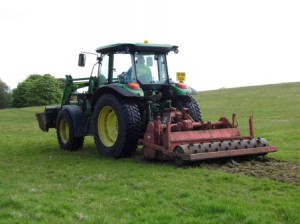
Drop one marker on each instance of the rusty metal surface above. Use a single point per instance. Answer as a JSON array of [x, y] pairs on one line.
[[177, 136], [229, 153], [204, 135]]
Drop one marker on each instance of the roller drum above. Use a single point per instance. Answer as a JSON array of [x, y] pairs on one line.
[[207, 147]]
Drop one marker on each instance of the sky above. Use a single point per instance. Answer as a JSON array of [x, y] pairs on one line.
[[222, 44]]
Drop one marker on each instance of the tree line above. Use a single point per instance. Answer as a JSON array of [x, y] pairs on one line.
[[36, 90]]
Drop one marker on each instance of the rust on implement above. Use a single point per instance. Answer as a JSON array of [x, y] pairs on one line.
[[229, 153], [177, 136]]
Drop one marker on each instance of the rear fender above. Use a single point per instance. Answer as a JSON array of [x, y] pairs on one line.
[[181, 91], [78, 119], [118, 90]]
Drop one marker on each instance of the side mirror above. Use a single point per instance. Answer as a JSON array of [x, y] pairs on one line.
[[149, 61], [175, 49], [81, 60]]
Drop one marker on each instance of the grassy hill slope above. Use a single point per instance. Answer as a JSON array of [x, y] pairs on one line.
[[39, 183], [276, 111]]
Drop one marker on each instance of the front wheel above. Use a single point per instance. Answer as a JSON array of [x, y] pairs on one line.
[[116, 126], [65, 133]]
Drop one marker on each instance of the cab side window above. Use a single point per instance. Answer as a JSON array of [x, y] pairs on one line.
[[120, 69], [103, 70]]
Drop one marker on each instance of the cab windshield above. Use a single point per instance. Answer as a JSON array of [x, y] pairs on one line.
[[151, 69], [141, 68]]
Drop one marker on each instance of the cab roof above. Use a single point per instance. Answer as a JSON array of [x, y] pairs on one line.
[[137, 47]]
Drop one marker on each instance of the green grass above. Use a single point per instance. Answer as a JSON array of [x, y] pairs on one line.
[[275, 109], [39, 183]]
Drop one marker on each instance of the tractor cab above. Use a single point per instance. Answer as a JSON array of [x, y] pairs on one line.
[[142, 63]]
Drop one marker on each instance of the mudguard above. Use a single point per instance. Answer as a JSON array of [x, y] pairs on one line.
[[119, 89]]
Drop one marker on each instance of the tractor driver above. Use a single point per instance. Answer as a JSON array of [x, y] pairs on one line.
[[143, 72]]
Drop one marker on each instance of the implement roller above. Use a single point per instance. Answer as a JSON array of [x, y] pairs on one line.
[[178, 137]]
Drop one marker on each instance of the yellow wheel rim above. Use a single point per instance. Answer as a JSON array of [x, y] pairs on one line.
[[108, 127], [64, 131]]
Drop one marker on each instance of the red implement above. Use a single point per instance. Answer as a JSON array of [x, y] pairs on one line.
[[177, 136]]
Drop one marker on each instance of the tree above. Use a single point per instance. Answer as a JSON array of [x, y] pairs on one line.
[[4, 95], [37, 90]]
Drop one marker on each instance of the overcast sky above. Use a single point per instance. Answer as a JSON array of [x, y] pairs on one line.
[[221, 43]]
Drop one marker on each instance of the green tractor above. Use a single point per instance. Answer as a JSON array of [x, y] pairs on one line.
[[132, 88]]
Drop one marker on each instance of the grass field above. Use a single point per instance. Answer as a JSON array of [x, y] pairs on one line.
[[39, 183]]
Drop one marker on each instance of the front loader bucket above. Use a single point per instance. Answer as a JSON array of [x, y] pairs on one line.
[[41, 117], [182, 139], [47, 119]]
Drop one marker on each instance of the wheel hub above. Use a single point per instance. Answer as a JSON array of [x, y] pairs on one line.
[[108, 126]]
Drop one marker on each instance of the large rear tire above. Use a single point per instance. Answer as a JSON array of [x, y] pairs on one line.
[[65, 133], [116, 126], [190, 103]]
